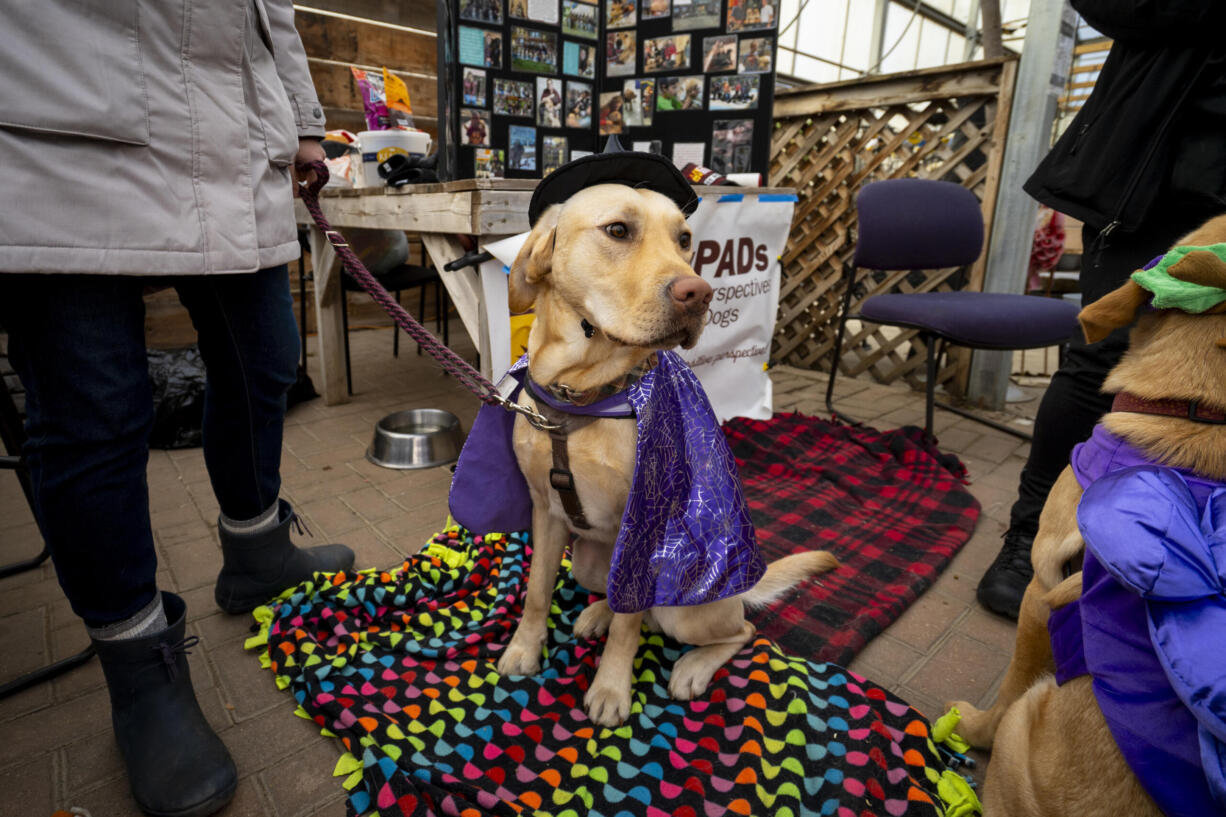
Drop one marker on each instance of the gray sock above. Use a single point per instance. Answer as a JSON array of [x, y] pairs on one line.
[[150, 619], [260, 524]]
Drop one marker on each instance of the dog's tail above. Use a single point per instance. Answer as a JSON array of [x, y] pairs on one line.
[[783, 574]]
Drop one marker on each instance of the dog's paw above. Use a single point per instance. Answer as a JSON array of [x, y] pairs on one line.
[[520, 658], [977, 727], [691, 676], [607, 704], [594, 621]]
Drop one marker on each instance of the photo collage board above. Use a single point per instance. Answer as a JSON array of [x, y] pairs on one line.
[[532, 84]]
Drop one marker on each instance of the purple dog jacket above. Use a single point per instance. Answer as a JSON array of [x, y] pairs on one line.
[[1150, 626], [686, 537]]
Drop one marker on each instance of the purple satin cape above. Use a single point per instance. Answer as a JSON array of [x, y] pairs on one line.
[[1150, 625], [686, 537]]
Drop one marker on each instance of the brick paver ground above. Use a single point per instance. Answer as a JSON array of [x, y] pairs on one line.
[[56, 750]]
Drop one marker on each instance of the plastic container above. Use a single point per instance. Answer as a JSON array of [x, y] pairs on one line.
[[378, 145]]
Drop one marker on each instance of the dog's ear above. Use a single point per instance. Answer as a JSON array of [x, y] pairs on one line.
[[1112, 311], [1200, 267], [534, 262]]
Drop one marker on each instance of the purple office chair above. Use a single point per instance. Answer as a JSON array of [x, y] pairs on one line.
[[916, 224]]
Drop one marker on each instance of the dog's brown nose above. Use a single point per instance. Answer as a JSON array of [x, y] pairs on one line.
[[690, 293]]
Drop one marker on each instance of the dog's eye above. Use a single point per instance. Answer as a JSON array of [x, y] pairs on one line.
[[617, 229], [685, 241]]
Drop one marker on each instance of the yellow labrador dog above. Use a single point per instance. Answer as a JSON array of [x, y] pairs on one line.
[[1052, 752], [608, 271]]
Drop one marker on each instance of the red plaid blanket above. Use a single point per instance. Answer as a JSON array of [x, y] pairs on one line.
[[891, 508]]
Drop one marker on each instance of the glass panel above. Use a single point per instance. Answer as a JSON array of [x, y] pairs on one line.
[[934, 38], [956, 52], [1012, 11], [815, 71], [822, 30], [901, 39], [859, 34]]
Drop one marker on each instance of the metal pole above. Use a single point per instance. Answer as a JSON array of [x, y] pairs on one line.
[[1046, 57], [972, 31], [877, 43]]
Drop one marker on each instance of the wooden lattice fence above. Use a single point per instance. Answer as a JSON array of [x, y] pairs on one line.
[[945, 123]]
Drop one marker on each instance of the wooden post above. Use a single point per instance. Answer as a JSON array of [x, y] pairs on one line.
[[1040, 78], [328, 318], [464, 288]]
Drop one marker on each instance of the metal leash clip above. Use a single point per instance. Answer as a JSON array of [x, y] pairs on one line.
[[535, 419]]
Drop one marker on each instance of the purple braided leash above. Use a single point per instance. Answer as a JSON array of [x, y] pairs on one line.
[[452, 364]]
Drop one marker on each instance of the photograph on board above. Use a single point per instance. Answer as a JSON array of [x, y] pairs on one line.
[[611, 116], [474, 87], [553, 153], [548, 102], [538, 11], [579, 19], [482, 11], [679, 93], [579, 59], [621, 13], [533, 50], [755, 57], [474, 127], [578, 105], [654, 9], [640, 97], [480, 47], [732, 146], [513, 98], [619, 53], [490, 163], [719, 53], [689, 15], [733, 93], [669, 53], [748, 15], [522, 152]]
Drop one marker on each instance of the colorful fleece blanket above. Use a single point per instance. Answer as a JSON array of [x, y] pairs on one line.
[[400, 666], [888, 504]]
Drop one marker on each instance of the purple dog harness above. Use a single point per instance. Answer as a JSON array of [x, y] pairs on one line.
[[685, 538], [1150, 626]]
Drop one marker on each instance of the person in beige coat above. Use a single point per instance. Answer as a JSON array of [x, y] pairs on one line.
[[154, 143]]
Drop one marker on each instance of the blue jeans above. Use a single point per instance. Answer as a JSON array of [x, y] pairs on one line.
[[78, 344]]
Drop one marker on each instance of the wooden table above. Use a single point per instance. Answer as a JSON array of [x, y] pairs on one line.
[[487, 209]]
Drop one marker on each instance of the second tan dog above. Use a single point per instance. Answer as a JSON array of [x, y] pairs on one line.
[[1052, 751], [618, 258]]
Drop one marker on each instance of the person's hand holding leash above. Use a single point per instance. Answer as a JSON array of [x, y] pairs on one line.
[[309, 150]]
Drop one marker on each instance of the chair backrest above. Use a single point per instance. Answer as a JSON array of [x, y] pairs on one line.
[[917, 224]]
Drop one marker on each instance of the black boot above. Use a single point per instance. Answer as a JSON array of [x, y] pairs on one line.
[[258, 566], [177, 766], [1004, 582]]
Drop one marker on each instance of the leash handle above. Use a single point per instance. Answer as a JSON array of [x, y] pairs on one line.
[[451, 363]]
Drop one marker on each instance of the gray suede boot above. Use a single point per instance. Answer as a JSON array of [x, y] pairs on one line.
[[258, 566], [177, 766]]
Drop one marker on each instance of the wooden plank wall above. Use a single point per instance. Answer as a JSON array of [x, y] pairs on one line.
[[830, 140], [334, 43]]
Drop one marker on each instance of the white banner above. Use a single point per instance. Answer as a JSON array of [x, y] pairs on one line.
[[739, 238]]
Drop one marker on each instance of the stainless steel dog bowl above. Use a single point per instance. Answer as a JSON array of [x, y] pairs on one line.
[[417, 438]]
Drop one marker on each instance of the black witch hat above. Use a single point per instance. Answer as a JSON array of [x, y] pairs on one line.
[[613, 166]]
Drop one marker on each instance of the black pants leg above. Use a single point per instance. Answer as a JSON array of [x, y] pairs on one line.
[[1074, 401]]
